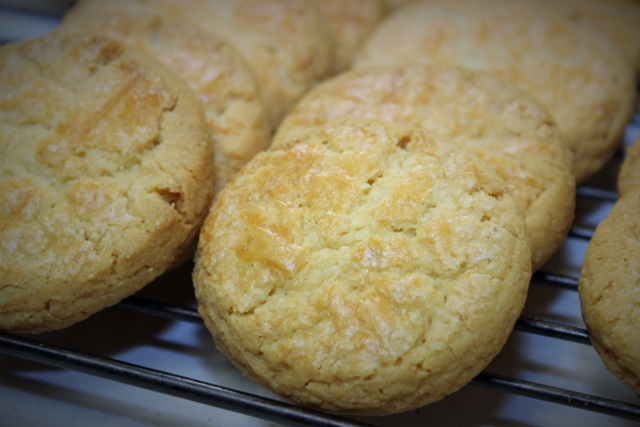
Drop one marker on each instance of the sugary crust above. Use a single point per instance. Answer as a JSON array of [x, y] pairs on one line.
[[509, 129], [212, 69], [105, 177], [609, 286], [366, 268], [351, 21], [580, 75], [287, 43], [629, 175]]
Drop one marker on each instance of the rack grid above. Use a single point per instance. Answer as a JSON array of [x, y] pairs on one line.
[[155, 349]]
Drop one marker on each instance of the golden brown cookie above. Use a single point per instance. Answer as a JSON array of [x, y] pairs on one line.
[[351, 22], [502, 124], [609, 285], [629, 175], [366, 267], [580, 75], [214, 71], [105, 177]]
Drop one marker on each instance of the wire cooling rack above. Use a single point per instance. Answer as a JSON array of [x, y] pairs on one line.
[[149, 361]]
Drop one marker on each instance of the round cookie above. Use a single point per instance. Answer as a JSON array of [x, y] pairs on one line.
[[629, 175], [505, 126], [580, 75], [364, 267], [351, 22], [105, 177], [609, 284], [214, 71]]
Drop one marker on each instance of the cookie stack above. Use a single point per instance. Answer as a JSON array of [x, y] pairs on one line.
[[312, 259], [379, 180], [610, 279]]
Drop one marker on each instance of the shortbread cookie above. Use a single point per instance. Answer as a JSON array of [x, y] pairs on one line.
[[365, 268], [505, 126], [214, 71], [579, 74], [629, 175], [609, 286], [351, 21], [105, 177], [619, 19]]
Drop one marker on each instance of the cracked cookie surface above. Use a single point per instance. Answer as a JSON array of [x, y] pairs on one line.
[[363, 267], [105, 177], [503, 125]]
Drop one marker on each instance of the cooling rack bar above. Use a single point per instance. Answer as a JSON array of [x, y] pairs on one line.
[[558, 395], [553, 329], [154, 308], [596, 193], [174, 385], [555, 280], [269, 409], [581, 232], [44, 7]]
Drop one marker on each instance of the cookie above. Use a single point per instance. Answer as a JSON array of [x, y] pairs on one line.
[[363, 267], [105, 177], [629, 175], [502, 124], [214, 71], [580, 75], [609, 284], [617, 18], [287, 43], [351, 22]]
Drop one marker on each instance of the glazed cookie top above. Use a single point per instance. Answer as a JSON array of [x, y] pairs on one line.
[[287, 43], [609, 285], [580, 75], [502, 124], [629, 175], [363, 267], [105, 177], [351, 22], [214, 71]]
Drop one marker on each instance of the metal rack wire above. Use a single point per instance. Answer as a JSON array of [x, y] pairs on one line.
[[277, 411], [34, 349]]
